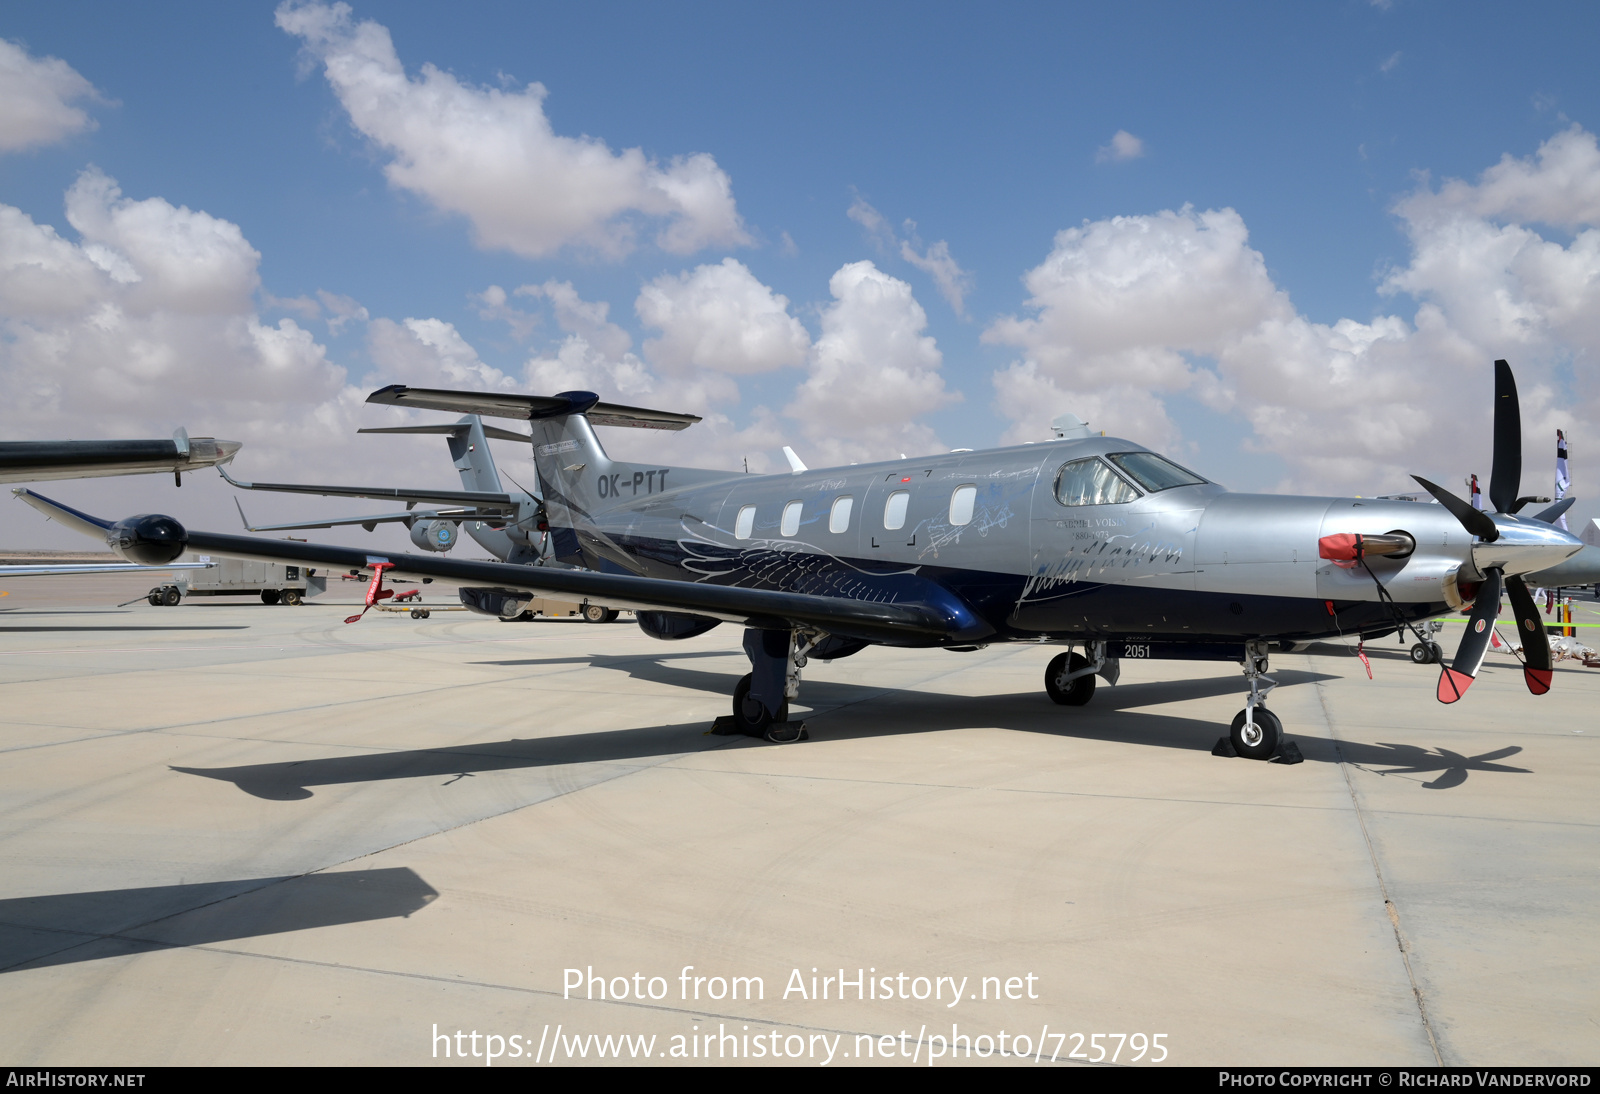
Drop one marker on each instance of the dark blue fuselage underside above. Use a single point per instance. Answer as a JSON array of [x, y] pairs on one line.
[[1075, 610]]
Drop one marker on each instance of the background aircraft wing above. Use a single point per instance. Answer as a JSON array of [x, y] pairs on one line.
[[53, 570], [505, 503], [36, 461], [906, 623], [420, 516]]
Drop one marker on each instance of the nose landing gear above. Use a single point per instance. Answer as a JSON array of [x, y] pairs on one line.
[[1256, 732]]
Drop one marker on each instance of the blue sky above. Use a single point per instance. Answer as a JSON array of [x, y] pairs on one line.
[[1310, 145]]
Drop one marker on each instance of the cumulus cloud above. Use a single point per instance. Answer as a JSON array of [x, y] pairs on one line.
[[1127, 311], [36, 97], [721, 318], [873, 372], [934, 260], [1123, 146], [151, 311], [492, 156]]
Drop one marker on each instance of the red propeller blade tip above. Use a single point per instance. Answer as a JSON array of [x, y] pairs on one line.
[[1538, 680], [1453, 685]]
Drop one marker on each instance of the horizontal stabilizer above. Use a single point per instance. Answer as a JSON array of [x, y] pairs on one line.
[[448, 430], [529, 408]]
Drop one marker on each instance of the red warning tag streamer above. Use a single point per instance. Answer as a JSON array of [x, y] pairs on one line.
[[1361, 652]]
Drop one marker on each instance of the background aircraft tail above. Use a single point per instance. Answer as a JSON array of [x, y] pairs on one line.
[[517, 542], [576, 477]]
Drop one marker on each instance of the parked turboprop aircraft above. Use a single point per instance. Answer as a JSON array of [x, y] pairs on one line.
[[1092, 543], [506, 524], [36, 461]]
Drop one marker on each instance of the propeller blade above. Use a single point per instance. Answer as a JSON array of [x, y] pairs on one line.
[[1473, 520], [1506, 476], [1552, 514], [1457, 678], [1535, 646]]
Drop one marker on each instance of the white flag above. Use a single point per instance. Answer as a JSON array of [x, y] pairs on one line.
[[1562, 481]]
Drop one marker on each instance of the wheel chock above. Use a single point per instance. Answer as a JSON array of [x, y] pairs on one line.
[[787, 733], [1288, 753], [726, 726], [1224, 747]]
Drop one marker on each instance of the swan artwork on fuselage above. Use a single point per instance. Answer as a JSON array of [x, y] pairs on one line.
[[1094, 545]]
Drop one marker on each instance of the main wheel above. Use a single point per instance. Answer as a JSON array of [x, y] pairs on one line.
[[291, 596], [595, 613], [171, 597], [1071, 693], [1260, 740], [269, 596], [748, 713]]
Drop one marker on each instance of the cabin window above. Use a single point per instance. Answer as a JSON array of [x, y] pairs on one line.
[[791, 519], [1091, 482], [894, 510], [839, 515], [961, 502], [746, 522]]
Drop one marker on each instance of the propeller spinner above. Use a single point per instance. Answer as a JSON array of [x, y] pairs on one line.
[[1507, 546]]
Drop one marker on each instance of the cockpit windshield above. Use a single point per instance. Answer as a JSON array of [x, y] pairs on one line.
[[1153, 472]]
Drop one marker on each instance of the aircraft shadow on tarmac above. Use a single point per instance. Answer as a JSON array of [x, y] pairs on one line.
[[42, 931], [848, 718]]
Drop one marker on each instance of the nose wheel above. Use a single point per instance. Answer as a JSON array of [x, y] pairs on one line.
[[1255, 738]]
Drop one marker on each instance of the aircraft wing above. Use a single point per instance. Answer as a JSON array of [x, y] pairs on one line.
[[494, 517], [903, 624], [49, 570], [35, 461], [482, 499]]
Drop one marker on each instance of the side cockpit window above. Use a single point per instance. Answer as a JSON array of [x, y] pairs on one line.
[[1092, 482], [1153, 472]]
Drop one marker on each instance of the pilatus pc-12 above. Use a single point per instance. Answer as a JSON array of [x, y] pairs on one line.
[[1090, 543]]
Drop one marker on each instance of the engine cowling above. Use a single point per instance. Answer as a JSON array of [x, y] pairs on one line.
[[436, 535], [149, 539]]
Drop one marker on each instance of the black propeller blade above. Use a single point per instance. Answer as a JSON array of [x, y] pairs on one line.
[[1504, 480], [1552, 514], [1458, 676], [1535, 646], [1473, 520], [1506, 476]]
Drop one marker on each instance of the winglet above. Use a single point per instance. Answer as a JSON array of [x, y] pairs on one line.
[[244, 520], [1453, 685], [795, 463], [1538, 680]]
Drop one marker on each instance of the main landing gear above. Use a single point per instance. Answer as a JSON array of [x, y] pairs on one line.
[[761, 700], [1070, 678], [1429, 652]]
